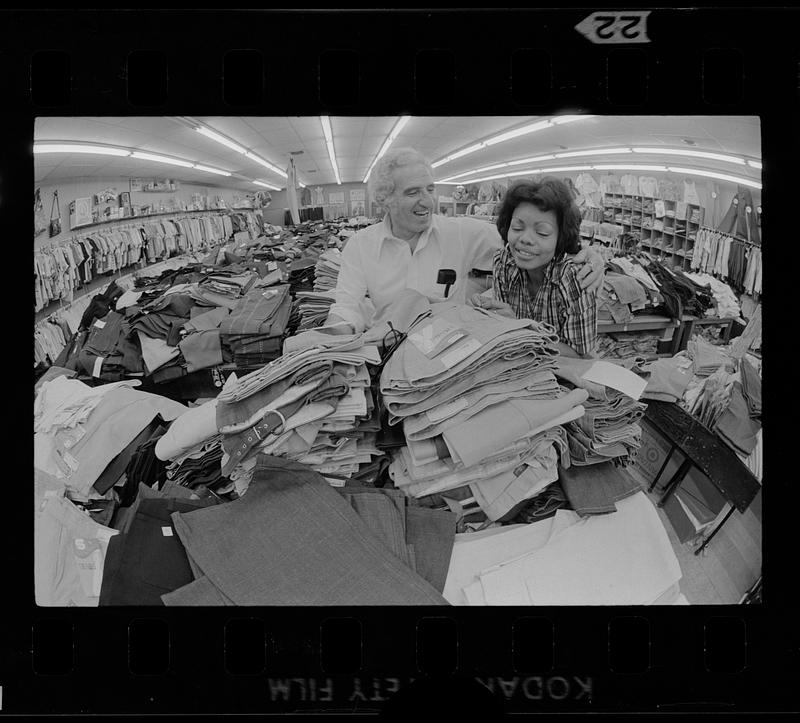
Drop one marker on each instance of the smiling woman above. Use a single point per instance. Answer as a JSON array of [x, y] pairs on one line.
[[533, 275]]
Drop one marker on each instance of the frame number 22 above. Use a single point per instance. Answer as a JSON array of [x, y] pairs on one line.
[[615, 27]]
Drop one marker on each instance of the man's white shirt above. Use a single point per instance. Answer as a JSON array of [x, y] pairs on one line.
[[376, 266]]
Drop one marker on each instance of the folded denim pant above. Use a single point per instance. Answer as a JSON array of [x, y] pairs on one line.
[[293, 540]]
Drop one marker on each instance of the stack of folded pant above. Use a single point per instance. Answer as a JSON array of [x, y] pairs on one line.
[[255, 327], [669, 379], [478, 402], [314, 307], [607, 431], [294, 540], [107, 352], [623, 345], [313, 404]]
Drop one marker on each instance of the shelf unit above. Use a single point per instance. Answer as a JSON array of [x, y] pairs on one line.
[[668, 237]]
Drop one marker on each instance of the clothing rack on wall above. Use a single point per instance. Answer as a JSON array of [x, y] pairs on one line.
[[731, 236]]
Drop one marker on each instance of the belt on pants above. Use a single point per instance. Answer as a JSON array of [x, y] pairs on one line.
[[271, 424]]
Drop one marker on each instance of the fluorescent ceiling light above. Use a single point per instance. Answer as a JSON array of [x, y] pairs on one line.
[[628, 167], [690, 154], [207, 169], [535, 159], [508, 135], [220, 139], [326, 129], [755, 164], [161, 159], [44, 147], [272, 167], [525, 130], [398, 126], [596, 152], [712, 174], [267, 185], [559, 119]]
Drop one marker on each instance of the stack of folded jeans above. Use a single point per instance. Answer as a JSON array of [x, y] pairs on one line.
[[314, 307], [313, 405], [639, 346], [107, 352], [607, 431], [255, 328], [479, 404]]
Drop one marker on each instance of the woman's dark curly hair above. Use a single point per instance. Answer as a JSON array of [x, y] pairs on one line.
[[547, 194]]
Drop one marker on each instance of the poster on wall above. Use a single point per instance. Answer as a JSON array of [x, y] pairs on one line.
[[336, 199], [357, 194], [154, 185]]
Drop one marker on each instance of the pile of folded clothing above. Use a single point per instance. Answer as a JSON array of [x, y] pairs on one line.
[[669, 378], [633, 348], [254, 330], [224, 288], [620, 297], [609, 429], [727, 303], [326, 273], [315, 305], [706, 358], [313, 405], [292, 540], [479, 404]]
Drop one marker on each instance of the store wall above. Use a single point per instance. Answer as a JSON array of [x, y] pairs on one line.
[[82, 187], [275, 213], [725, 191]]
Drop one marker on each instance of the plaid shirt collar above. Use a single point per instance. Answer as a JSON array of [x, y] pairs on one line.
[[517, 275]]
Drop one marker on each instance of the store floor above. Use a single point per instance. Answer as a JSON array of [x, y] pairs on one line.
[[730, 564]]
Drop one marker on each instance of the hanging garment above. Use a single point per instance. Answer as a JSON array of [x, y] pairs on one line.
[[690, 194]]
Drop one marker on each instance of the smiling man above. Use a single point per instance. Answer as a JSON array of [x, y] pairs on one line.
[[412, 243]]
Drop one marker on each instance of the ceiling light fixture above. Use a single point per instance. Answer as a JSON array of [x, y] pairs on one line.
[[628, 167], [208, 169], [326, 129], [509, 135], [266, 185], [596, 152], [45, 147], [398, 126], [690, 154], [161, 159], [721, 176], [220, 139], [272, 167]]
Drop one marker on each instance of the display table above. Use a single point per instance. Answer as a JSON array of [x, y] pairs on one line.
[[689, 325], [706, 451], [646, 322]]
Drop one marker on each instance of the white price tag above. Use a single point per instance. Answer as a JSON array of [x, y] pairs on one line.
[[460, 353], [166, 531], [100, 324], [72, 463], [98, 363]]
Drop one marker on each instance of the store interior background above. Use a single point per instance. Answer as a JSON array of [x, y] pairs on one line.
[[356, 142]]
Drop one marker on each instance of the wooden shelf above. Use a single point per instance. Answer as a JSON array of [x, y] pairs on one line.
[[135, 219]]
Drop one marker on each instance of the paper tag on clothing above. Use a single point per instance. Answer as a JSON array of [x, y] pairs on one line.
[[272, 266], [435, 337], [98, 363], [73, 436], [616, 377], [103, 534], [72, 463], [453, 357], [100, 324], [449, 409], [166, 531], [335, 482]]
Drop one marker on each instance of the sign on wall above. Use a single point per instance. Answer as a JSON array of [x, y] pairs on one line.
[[336, 198], [357, 194]]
